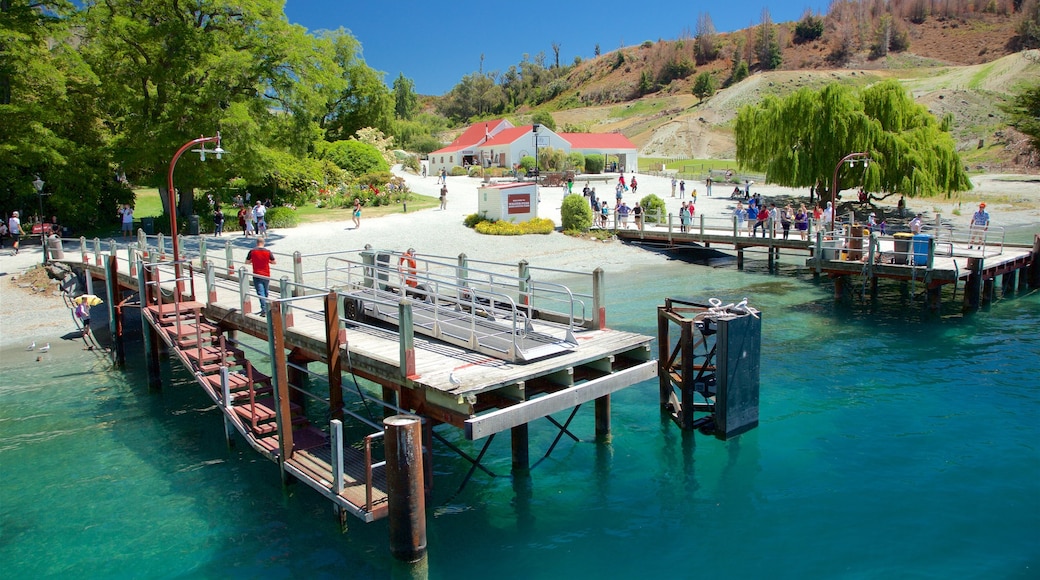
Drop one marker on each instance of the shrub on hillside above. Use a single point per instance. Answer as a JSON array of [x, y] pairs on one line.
[[654, 209], [808, 29]]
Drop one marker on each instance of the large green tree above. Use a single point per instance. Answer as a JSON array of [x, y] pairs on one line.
[[365, 101], [171, 71], [49, 121], [798, 140]]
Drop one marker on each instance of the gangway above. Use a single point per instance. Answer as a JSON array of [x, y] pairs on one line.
[[484, 311]]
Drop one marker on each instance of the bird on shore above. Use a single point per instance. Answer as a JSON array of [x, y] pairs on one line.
[[45, 347], [31, 346]]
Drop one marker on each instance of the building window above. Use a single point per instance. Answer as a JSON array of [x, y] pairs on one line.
[[442, 159]]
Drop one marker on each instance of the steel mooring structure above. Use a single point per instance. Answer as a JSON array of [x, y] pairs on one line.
[[711, 367]]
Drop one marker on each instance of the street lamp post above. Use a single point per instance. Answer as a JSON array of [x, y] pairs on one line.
[[38, 184], [171, 198], [850, 158]]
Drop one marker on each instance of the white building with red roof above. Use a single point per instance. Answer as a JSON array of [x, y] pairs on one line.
[[499, 144]]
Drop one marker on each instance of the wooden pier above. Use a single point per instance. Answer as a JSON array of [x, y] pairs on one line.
[[482, 347], [941, 256]]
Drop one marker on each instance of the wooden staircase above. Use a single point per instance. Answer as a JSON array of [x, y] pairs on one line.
[[205, 349]]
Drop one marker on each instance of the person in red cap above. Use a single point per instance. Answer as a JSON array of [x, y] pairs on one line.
[[978, 227]]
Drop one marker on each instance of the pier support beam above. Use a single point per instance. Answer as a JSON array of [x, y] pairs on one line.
[[332, 345], [405, 494], [151, 348], [740, 257], [988, 292], [603, 418], [933, 298], [521, 448], [1007, 284], [973, 287], [1034, 264]]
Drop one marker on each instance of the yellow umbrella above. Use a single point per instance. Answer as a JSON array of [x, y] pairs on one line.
[[90, 299]]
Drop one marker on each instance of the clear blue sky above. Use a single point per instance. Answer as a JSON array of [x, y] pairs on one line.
[[437, 47]]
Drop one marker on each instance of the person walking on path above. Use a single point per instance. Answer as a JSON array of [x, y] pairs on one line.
[[634, 184], [218, 221], [260, 259], [707, 185], [978, 226], [637, 211], [126, 215], [444, 196], [915, 225], [682, 188], [259, 215], [14, 228], [674, 182], [357, 213]]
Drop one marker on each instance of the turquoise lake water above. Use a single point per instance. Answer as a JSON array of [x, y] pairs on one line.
[[891, 444]]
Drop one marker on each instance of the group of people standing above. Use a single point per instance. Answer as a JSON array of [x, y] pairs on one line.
[[252, 220]]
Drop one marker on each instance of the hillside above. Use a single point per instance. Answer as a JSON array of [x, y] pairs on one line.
[[963, 67]]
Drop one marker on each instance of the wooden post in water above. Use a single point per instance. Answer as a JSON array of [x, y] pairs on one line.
[[603, 418], [151, 350], [1007, 283], [1034, 264], [973, 286], [988, 293], [332, 346], [406, 497], [663, 352], [521, 448], [276, 340], [740, 257], [599, 300]]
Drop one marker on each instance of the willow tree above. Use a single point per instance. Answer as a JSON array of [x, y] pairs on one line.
[[798, 140]]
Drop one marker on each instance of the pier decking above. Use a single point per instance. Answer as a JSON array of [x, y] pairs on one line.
[[942, 255], [470, 344]]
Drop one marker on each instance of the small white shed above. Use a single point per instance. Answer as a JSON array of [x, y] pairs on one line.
[[512, 202]]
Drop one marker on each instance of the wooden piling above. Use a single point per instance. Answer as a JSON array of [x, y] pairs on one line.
[[1034, 264], [406, 498], [151, 348], [663, 349], [283, 417], [1007, 283], [973, 286], [987, 293], [740, 257], [332, 348], [603, 418], [521, 448]]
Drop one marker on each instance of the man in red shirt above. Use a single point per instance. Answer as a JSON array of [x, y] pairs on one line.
[[260, 259]]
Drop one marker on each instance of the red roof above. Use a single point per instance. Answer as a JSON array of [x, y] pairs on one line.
[[598, 141], [472, 136], [507, 136]]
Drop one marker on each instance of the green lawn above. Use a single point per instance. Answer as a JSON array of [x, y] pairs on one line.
[[148, 204], [310, 214]]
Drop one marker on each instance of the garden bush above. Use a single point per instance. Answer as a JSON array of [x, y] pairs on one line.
[[593, 164], [575, 213], [279, 217], [653, 209], [504, 228], [457, 171]]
